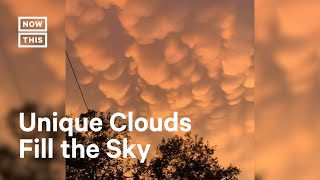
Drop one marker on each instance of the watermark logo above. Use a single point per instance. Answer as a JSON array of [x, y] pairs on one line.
[[32, 32]]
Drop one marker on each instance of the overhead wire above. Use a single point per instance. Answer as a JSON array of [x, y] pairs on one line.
[[75, 76], [19, 90]]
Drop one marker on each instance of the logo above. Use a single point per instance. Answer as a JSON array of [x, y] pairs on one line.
[[32, 32]]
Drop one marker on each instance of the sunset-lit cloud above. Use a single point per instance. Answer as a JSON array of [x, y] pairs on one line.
[[201, 58], [156, 57]]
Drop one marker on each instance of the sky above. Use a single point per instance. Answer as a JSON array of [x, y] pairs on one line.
[[156, 57], [31, 75], [287, 72], [200, 58]]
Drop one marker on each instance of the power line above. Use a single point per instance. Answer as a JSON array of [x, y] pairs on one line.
[[75, 76]]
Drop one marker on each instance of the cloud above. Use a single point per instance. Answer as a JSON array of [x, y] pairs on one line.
[[156, 57]]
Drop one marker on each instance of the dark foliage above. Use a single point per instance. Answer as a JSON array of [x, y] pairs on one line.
[[185, 158], [102, 167], [177, 158], [29, 168]]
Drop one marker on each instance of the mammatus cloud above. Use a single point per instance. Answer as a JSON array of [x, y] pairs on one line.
[[156, 57], [288, 59]]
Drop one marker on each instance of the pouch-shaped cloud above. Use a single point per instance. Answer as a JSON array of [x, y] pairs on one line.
[[150, 64], [148, 21], [115, 89], [236, 64], [155, 57], [175, 51], [180, 98], [93, 57]]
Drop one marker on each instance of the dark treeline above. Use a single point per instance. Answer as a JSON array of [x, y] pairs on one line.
[[187, 157]]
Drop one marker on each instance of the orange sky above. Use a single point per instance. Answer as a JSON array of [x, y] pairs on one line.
[[31, 75], [194, 57], [156, 57], [287, 91]]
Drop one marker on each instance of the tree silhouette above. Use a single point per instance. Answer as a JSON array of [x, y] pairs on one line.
[[14, 168], [185, 158], [178, 157], [102, 167]]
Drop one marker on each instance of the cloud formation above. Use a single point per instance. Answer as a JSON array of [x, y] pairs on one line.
[[156, 57]]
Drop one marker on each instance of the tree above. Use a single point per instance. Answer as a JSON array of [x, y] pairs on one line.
[[102, 167], [177, 158], [185, 158], [12, 167]]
